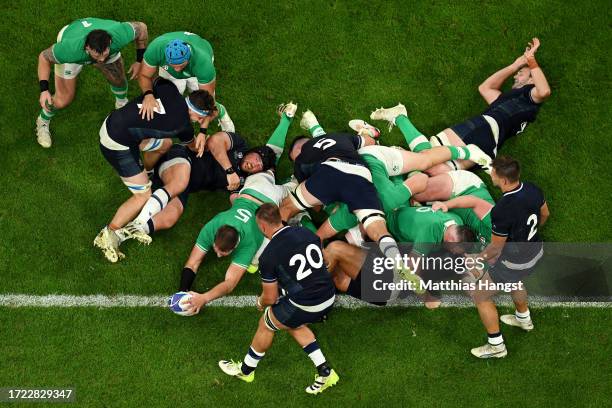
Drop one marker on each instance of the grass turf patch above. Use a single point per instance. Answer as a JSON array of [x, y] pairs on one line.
[[150, 357]]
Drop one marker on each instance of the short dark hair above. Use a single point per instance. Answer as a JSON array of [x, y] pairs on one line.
[[98, 40], [269, 213], [226, 238], [202, 99], [506, 167], [293, 143]]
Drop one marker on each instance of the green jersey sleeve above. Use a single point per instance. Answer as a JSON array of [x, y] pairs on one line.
[[243, 255], [206, 238]]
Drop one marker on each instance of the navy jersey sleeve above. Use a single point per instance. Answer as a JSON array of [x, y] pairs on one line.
[[267, 270], [501, 221]]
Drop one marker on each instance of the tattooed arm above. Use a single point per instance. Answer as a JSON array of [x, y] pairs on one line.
[[141, 40], [45, 63]]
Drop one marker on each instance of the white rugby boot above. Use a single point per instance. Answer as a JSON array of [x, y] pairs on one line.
[[389, 114], [43, 135]]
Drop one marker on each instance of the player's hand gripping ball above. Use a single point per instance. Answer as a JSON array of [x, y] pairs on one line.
[[179, 304]]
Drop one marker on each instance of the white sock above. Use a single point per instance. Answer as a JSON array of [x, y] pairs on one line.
[[522, 316], [388, 247], [155, 204], [496, 339]]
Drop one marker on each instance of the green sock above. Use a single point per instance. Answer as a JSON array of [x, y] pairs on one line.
[[415, 139], [47, 114], [307, 223], [277, 141], [459, 152], [317, 131], [120, 92]]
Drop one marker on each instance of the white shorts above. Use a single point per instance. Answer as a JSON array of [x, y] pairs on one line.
[[106, 141], [391, 157], [191, 84], [462, 180], [263, 187]]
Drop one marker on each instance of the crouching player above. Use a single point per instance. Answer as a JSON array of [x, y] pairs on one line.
[[292, 260]]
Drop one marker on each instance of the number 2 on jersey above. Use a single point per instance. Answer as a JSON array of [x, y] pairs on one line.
[[307, 260], [533, 219]]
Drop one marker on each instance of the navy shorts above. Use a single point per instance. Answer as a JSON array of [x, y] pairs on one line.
[[293, 317], [176, 151], [477, 131], [126, 162], [499, 273], [330, 185]]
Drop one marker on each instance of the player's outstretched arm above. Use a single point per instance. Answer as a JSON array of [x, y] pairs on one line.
[[480, 206], [232, 276], [490, 89], [541, 92], [45, 63], [141, 39]]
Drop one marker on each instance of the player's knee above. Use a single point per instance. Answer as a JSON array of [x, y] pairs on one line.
[[417, 183], [141, 191], [268, 322], [369, 218], [62, 100]]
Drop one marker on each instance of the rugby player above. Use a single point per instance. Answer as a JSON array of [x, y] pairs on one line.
[[125, 133], [233, 232], [187, 60], [83, 42], [508, 113], [465, 194], [225, 165], [514, 251], [292, 262]]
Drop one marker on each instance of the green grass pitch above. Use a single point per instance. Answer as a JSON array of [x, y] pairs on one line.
[[341, 59]]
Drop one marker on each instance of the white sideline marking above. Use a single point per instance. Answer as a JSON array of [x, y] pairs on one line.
[[342, 301]]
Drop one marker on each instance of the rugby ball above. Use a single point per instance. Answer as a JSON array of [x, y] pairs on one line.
[[178, 304]]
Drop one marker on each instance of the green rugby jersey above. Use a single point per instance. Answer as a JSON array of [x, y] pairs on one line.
[[241, 216], [200, 62], [420, 225], [70, 49], [482, 228]]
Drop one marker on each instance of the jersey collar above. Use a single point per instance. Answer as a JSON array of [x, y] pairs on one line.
[[277, 232], [516, 190]]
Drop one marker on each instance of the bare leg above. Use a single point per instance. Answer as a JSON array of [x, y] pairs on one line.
[[128, 210], [519, 297], [151, 158], [169, 216], [438, 188]]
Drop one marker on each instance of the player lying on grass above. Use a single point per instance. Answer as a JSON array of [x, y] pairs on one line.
[[124, 134], [292, 262], [508, 113], [225, 165], [84, 42], [514, 251], [187, 60], [235, 232]]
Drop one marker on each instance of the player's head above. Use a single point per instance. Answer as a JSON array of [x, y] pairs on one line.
[[268, 219], [296, 147], [505, 172], [97, 45], [201, 104], [178, 53], [522, 77], [226, 240], [458, 239], [258, 159]]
